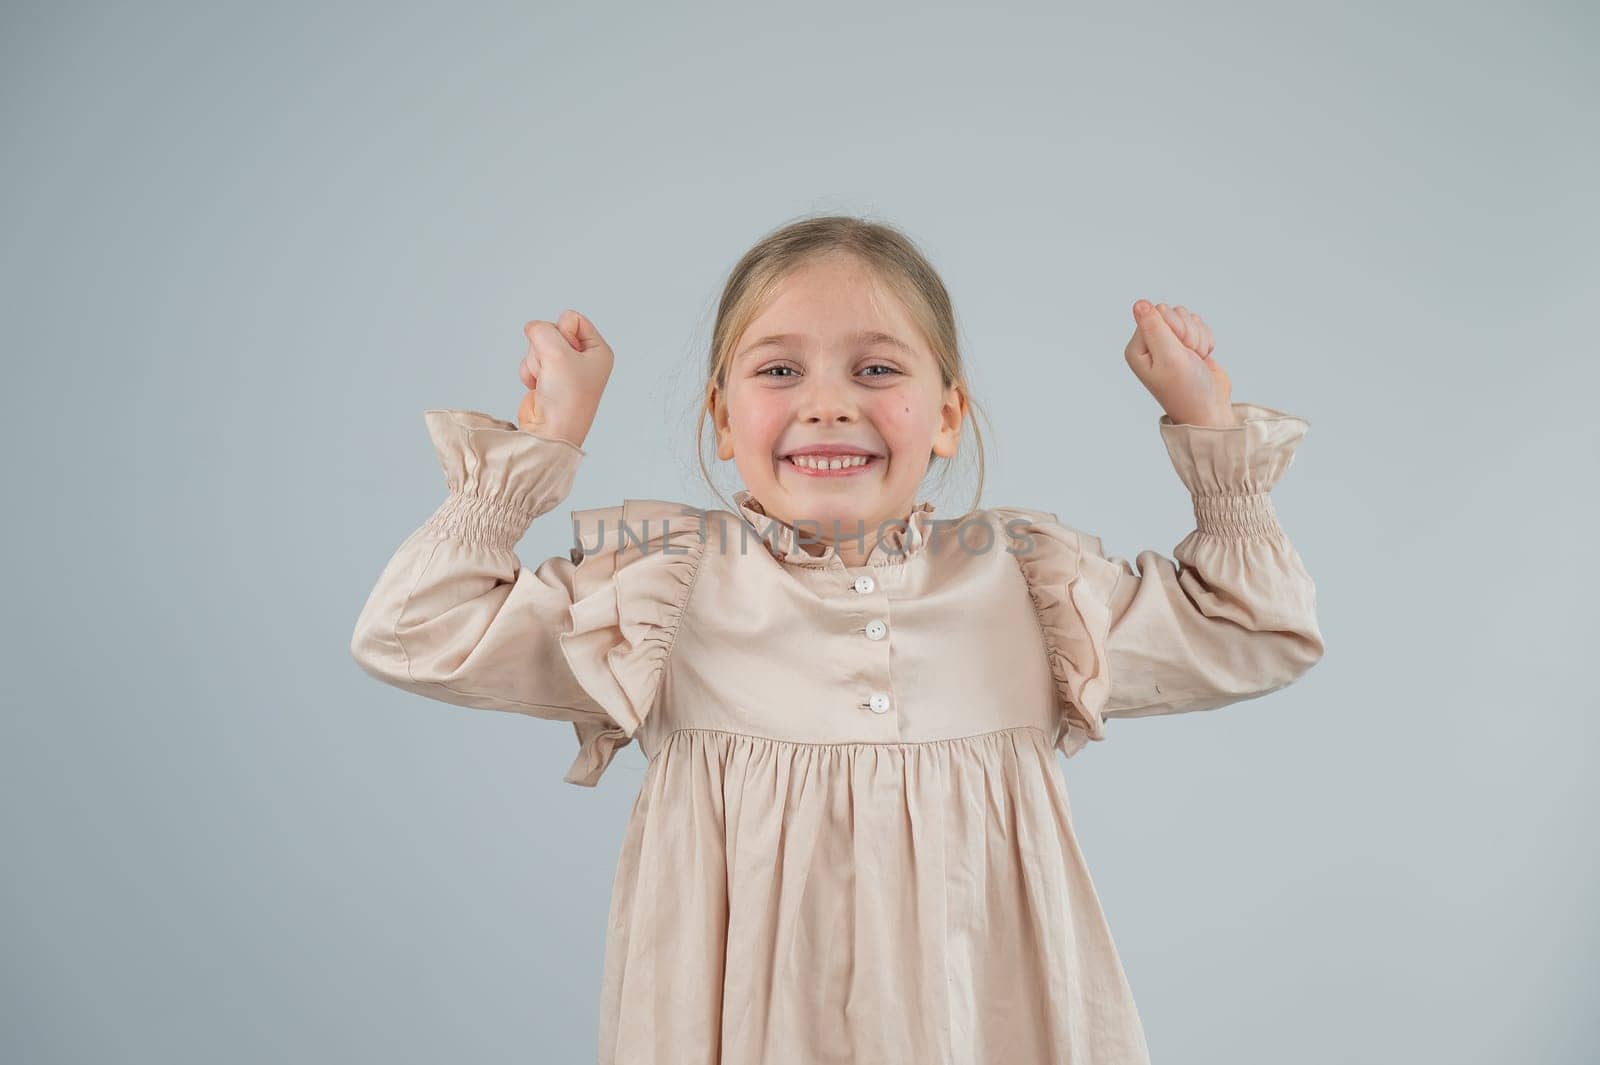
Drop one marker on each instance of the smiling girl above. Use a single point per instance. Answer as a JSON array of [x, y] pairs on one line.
[[853, 841]]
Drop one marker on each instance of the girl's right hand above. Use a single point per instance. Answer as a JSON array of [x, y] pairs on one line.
[[565, 373]]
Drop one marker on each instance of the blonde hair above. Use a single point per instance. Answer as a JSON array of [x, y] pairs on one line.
[[888, 255]]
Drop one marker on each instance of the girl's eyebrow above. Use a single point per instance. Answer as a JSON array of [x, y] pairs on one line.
[[867, 338]]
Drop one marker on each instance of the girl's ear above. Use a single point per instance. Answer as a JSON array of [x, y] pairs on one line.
[[713, 408], [951, 416], [719, 422]]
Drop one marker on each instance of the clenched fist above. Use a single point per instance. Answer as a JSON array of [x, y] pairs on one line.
[[565, 373], [1170, 353]]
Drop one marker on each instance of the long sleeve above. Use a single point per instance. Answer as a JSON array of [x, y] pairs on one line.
[[456, 617], [1231, 615]]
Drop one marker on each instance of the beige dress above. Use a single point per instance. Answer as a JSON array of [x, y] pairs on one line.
[[853, 841]]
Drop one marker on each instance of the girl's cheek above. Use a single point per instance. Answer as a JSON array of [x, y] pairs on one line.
[[762, 421], [903, 414]]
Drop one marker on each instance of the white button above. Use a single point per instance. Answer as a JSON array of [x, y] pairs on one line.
[[876, 629], [879, 703], [863, 584]]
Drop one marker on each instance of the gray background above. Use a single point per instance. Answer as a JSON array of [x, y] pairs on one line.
[[248, 245]]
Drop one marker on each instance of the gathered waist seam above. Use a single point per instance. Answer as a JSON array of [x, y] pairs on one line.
[[854, 743]]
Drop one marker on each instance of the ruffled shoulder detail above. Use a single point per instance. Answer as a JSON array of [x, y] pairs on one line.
[[636, 564], [1071, 583]]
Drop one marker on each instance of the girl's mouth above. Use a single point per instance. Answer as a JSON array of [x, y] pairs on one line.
[[837, 466]]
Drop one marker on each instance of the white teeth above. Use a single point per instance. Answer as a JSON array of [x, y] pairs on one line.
[[815, 462]]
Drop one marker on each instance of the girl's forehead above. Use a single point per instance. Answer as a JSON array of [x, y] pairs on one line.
[[832, 286], [829, 317]]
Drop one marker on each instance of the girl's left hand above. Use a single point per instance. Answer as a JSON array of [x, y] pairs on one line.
[[1170, 353]]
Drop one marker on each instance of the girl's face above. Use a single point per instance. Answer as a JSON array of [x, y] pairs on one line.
[[825, 366]]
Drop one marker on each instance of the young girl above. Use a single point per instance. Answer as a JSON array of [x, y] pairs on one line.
[[852, 842]]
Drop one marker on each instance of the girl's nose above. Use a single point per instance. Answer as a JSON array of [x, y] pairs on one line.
[[827, 403]]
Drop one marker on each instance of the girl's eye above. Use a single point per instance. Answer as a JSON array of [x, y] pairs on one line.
[[771, 371]]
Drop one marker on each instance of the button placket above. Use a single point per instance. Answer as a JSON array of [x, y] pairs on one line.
[[879, 701]]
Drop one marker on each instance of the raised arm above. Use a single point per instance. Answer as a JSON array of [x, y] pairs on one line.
[[584, 637], [1230, 616], [455, 616]]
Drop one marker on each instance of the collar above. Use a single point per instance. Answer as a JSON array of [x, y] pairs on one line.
[[894, 544]]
